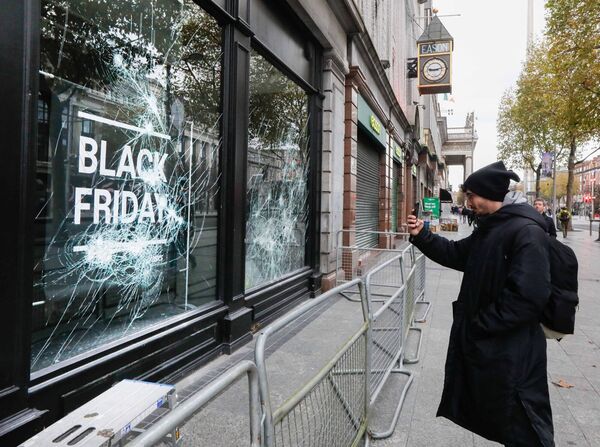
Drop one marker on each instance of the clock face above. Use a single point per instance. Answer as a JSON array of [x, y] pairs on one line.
[[434, 69]]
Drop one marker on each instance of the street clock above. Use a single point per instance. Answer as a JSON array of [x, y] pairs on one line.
[[434, 50], [434, 69]]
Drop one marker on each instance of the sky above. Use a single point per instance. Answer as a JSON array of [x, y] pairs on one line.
[[490, 40]]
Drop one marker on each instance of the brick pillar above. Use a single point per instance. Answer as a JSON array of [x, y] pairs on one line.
[[401, 199], [409, 193], [385, 195], [350, 171]]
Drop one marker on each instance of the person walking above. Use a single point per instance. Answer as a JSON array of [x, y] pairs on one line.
[[564, 216], [464, 212], [496, 382], [540, 207]]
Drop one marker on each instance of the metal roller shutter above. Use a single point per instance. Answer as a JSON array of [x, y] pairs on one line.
[[367, 193]]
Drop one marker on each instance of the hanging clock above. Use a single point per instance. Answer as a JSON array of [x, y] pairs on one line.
[[434, 59], [434, 69]]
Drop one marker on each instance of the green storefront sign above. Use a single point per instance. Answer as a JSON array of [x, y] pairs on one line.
[[398, 153], [370, 123]]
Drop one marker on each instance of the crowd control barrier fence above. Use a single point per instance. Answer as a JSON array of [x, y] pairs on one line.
[[330, 410], [334, 407], [356, 256], [185, 410], [387, 336]]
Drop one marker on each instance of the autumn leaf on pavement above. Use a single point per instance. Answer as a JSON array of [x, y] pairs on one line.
[[563, 384]]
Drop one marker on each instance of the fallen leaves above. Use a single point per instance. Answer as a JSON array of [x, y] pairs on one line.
[[563, 384]]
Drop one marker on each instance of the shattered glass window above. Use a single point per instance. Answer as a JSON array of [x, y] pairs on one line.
[[278, 162], [127, 170]]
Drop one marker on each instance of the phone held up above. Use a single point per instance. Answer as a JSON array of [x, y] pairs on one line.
[[417, 210]]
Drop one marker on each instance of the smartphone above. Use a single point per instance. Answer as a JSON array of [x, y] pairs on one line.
[[417, 209]]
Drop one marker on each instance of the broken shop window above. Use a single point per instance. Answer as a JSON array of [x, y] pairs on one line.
[[129, 112], [277, 187]]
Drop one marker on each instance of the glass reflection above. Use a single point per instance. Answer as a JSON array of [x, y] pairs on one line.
[[127, 170]]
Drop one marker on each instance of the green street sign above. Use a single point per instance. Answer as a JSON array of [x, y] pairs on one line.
[[432, 204]]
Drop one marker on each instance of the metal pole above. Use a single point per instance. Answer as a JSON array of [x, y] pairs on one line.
[[196, 402], [554, 185], [529, 25], [593, 196]]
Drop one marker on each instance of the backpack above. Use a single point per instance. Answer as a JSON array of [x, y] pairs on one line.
[[564, 215], [559, 314], [558, 318]]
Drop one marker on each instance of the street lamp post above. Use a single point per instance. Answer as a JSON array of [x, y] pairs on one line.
[[554, 184], [593, 196]]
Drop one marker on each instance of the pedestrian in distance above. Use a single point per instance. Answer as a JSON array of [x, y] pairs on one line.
[[464, 212], [540, 207], [564, 216], [470, 216], [496, 382]]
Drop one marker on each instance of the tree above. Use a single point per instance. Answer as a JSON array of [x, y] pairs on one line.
[[556, 104], [572, 69], [513, 147], [525, 122], [562, 179]]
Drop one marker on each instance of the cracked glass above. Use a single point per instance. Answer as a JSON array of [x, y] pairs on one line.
[[277, 179], [127, 171]]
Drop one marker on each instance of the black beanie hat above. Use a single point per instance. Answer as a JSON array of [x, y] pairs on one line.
[[490, 182]]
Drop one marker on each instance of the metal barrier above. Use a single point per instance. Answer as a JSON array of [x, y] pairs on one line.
[[415, 294], [331, 409], [354, 260], [387, 336], [176, 417]]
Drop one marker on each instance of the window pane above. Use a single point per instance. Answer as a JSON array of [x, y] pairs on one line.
[[277, 189], [127, 170]]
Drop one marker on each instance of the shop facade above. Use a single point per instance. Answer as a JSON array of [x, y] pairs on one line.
[[375, 152], [179, 174], [164, 161]]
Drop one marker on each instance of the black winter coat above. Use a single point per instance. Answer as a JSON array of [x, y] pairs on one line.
[[496, 382], [550, 225]]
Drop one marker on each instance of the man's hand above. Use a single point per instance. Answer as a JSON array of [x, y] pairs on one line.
[[414, 225]]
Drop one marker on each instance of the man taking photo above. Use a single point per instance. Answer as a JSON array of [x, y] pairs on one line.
[[495, 377]]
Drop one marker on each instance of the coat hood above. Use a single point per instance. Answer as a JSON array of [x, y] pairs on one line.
[[510, 211], [513, 197]]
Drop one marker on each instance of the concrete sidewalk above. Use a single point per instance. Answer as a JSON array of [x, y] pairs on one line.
[[297, 353], [575, 360]]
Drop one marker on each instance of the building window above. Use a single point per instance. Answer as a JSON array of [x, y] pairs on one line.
[[87, 128], [131, 95], [277, 186], [43, 124]]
